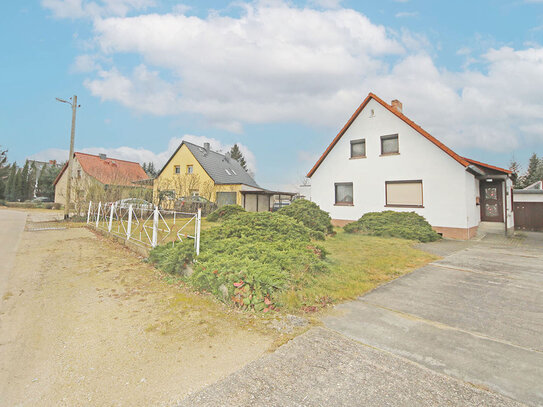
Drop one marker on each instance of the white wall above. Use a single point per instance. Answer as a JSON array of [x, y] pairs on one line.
[[528, 197], [448, 190]]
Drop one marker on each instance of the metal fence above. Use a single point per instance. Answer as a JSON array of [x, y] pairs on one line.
[[145, 225]]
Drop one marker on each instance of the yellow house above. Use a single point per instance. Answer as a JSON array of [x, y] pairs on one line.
[[194, 170]]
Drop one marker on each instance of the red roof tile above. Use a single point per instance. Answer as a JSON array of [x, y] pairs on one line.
[[487, 166], [411, 123], [108, 171]]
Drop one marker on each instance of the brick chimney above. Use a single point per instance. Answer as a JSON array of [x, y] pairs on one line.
[[207, 147], [397, 105], [53, 162]]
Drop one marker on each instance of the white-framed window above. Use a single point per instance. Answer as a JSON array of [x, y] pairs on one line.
[[358, 148], [177, 169], [190, 169], [343, 193], [390, 144], [404, 194]]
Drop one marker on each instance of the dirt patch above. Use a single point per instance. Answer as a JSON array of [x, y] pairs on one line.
[[87, 323]]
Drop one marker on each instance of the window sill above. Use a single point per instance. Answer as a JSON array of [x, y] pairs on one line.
[[387, 154], [357, 157], [404, 206], [343, 204]]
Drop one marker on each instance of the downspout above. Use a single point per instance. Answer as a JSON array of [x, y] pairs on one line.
[[505, 204]]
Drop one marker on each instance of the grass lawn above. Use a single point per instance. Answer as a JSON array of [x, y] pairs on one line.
[[359, 263]]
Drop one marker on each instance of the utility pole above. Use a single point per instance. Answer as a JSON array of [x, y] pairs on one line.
[[71, 158]]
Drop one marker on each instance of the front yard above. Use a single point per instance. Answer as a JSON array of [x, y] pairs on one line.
[[358, 264]]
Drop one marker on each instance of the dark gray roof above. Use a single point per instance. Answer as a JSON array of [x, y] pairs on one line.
[[221, 169]]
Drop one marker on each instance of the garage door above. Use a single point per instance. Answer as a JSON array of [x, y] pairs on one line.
[[226, 198], [529, 216]]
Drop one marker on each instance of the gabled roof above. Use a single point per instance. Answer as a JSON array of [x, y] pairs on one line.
[[108, 171], [459, 159], [222, 170]]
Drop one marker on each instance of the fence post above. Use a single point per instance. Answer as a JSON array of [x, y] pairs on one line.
[[88, 213], [98, 214], [155, 227], [111, 217], [129, 228], [198, 220]]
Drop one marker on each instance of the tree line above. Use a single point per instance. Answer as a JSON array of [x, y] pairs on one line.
[[533, 173], [24, 183]]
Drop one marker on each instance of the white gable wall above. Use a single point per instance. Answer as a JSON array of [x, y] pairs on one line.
[[448, 190]]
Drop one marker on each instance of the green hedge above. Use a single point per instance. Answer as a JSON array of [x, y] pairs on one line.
[[405, 225], [224, 212], [247, 260], [309, 214], [33, 205]]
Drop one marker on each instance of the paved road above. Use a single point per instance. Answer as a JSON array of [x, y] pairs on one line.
[[12, 224], [476, 315], [464, 331]]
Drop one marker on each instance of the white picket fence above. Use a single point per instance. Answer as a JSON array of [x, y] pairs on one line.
[[147, 226]]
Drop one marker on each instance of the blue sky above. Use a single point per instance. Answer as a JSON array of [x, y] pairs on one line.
[[279, 78]]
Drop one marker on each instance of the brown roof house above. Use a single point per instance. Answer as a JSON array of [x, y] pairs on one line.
[[101, 178]]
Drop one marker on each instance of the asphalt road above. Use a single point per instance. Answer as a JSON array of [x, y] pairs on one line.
[[12, 224], [464, 331]]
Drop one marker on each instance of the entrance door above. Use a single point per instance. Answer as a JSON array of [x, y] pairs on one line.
[[491, 201]]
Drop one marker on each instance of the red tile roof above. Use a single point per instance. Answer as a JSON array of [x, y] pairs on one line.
[[469, 160], [465, 162], [108, 171]]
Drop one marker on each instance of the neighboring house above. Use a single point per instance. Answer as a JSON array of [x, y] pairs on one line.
[[195, 170], [94, 175], [381, 160], [528, 206]]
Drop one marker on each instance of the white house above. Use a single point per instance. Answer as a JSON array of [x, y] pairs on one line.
[[381, 160]]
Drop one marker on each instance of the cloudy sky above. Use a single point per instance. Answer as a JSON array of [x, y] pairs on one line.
[[279, 78]]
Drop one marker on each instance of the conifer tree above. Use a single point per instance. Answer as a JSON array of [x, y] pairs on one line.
[[236, 154]]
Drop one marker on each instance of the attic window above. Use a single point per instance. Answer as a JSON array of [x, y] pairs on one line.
[[233, 172], [228, 171], [189, 169], [390, 145]]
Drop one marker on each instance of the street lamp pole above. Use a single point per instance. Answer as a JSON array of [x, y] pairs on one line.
[[74, 106]]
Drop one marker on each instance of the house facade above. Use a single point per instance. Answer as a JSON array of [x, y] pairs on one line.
[[198, 170], [381, 160], [98, 177]]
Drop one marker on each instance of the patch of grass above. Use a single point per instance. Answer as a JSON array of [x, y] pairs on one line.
[[358, 263], [405, 225]]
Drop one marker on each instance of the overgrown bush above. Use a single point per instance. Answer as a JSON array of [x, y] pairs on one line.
[[309, 214], [2, 202], [247, 260], [405, 225], [224, 212]]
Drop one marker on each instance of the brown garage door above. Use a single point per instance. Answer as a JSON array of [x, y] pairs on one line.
[[529, 216]]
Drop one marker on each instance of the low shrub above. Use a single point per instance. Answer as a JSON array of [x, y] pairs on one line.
[[33, 205], [224, 212], [248, 260], [309, 214], [405, 225], [2, 202]]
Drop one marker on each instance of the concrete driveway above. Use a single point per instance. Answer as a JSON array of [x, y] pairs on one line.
[[476, 315], [464, 331]]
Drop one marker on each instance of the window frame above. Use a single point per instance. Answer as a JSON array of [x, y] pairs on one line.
[[412, 181], [358, 141], [336, 203], [390, 137], [190, 169], [177, 169]]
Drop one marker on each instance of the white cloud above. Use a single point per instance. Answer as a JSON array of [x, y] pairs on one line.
[[143, 155], [85, 63], [94, 9], [281, 63]]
